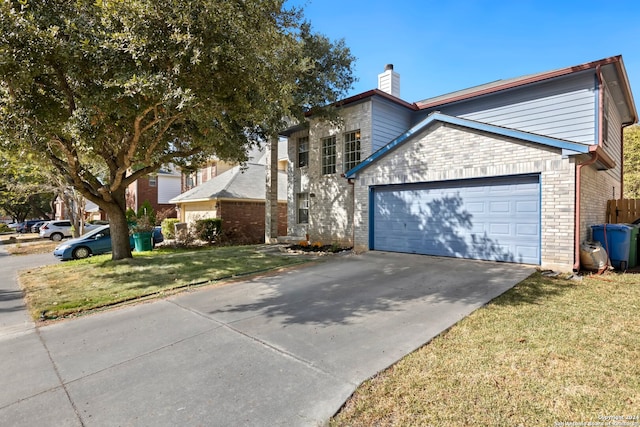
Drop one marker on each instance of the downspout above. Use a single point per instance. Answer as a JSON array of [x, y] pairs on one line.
[[592, 160], [352, 182]]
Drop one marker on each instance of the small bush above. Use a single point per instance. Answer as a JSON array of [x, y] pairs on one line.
[[169, 227], [146, 211], [303, 243], [208, 229], [4, 228]]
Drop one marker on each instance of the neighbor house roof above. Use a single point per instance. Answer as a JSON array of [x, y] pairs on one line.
[[568, 147], [246, 183]]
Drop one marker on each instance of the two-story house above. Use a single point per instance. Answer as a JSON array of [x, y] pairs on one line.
[[514, 170]]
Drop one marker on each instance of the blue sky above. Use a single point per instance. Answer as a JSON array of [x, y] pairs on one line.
[[443, 46]]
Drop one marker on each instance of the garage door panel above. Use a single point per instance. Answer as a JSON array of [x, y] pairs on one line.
[[503, 229], [500, 207], [493, 219]]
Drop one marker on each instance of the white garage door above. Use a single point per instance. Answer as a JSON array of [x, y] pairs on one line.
[[491, 219]]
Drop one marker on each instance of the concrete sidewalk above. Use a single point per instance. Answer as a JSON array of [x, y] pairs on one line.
[[285, 349]]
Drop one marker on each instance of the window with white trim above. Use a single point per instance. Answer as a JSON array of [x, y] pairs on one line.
[[303, 151], [153, 181], [329, 155], [351, 149], [303, 208]]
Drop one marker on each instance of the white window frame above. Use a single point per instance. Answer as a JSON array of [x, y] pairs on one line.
[[303, 151], [352, 149], [302, 204], [329, 155]]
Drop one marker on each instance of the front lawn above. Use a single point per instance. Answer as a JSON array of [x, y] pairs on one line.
[[76, 286], [548, 352]]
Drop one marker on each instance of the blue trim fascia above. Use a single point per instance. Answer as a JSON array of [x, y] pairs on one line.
[[498, 130]]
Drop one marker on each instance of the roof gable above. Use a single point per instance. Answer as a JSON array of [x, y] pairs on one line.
[[568, 147]]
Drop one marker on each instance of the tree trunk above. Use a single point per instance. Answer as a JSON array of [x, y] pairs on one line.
[[116, 210]]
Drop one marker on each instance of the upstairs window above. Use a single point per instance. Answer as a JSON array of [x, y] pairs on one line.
[[351, 149], [329, 155], [303, 151], [153, 181]]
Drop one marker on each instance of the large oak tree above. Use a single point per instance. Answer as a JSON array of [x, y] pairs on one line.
[[111, 90]]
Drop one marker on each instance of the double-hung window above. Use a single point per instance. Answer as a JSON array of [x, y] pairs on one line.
[[303, 208], [329, 155], [351, 149], [303, 151]]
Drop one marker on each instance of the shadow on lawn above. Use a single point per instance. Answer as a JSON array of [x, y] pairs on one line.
[[536, 289]]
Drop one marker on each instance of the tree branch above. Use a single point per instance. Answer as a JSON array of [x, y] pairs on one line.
[[64, 85]]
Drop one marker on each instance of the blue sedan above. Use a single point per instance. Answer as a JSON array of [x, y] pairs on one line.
[[95, 242]]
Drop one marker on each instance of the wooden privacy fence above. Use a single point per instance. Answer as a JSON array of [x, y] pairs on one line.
[[623, 211]]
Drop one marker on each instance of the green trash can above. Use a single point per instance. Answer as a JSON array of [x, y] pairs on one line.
[[143, 241]]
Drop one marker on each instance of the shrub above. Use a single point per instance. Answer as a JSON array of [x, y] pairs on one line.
[[4, 228], [146, 211], [208, 229], [169, 227]]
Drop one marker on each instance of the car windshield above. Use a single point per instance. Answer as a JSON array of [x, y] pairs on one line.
[[93, 233]]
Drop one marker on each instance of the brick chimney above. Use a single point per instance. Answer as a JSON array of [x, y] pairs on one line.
[[389, 81]]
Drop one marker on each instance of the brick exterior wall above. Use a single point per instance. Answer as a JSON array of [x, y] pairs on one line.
[[447, 152], [145, 192], [246, 219], [596, 187], [331, 196]]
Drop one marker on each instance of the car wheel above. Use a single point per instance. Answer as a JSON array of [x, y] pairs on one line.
[[81, 252], [56, 237]]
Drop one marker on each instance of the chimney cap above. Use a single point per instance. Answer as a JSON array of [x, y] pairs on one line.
[[388, 67]]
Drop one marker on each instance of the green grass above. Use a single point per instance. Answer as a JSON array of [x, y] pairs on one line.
[[78, 286], [548, 351]]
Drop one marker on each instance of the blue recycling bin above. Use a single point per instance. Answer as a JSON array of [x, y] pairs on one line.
[[616, 239]]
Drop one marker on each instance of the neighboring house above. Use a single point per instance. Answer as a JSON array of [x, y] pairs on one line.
[[158, 188], [238, 197], [515, 170], [92, 212], [213, 168]]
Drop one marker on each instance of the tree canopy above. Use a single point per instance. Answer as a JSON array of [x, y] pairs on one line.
[[110, 91], [632, 162], [25, 188]]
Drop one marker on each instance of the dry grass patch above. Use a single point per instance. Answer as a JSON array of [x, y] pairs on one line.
[[548, 351], [77, 286], [30, 248]]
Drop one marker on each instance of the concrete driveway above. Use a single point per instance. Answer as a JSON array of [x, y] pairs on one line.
[[285, 349]]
